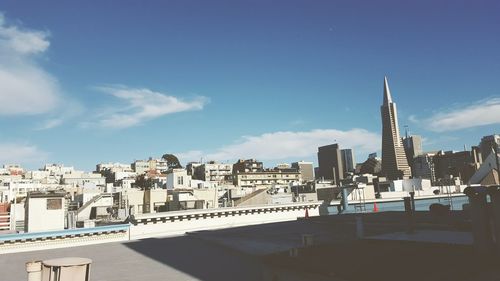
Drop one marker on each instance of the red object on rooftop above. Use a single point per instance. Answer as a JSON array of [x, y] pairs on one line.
[[375, 207]]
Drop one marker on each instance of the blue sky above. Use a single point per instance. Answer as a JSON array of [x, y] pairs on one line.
[[113, 81]]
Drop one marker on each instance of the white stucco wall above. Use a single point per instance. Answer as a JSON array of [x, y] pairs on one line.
[[42, 219]]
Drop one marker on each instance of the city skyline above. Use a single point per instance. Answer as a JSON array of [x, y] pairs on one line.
[[84, 84]]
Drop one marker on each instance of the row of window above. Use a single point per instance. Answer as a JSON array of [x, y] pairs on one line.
[[269, 176]]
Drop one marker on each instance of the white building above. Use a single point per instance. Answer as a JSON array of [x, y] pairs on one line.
[[267, 178], [13, 188], [408, 185], [44, 212], [214, 172], [113, 167], [124, 175], [82, 178], [178, 178], [58, 169]]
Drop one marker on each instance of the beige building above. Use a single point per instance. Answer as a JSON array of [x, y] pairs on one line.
[[267, 178], [305, 169]]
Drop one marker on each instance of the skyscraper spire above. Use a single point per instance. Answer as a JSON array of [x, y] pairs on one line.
[[394, 161], [387, 92]]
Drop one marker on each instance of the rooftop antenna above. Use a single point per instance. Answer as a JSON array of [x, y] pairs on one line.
[[406, 131]]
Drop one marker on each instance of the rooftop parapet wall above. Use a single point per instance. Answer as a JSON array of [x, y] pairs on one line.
[[157, 224], [14, 243], [181, 222]]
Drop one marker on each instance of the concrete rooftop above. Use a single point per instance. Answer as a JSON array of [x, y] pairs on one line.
[[243, 253]]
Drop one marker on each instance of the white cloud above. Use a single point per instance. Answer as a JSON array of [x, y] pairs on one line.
[[486, 112], [141, 105], [21, 154], [50, 123], [70, 110], [25, 87], [283, 145], [22, 41]]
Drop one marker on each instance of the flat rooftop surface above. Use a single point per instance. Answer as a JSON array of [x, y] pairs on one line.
[[175, 258], [429, 236], [260, 252]]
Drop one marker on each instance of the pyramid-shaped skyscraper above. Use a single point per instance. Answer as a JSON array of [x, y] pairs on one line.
[[394, 162]]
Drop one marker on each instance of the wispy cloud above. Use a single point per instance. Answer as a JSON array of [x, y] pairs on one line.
[[485, 112], [297, 122], [25, 87], [141, 104], [49, 124], [283, 145], [21, 153], [70, 110]]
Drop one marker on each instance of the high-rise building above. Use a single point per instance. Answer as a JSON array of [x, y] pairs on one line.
[[370, 166], [306, 170], [488, 145], [348, 162], [413, 147], [394, 162], [330, 163], [423, 166]]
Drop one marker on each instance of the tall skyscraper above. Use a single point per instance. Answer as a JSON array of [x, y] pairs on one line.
[[347, 160], [394, 162], [330, 163]]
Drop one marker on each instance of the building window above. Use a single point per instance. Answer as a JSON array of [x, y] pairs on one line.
[[54, 204], [180, 180]]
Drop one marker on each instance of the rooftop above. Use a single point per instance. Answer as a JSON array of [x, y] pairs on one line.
[[260, 252]]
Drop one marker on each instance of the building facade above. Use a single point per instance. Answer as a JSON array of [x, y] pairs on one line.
[[488, 144], [267, 178], [423, 167], [413, 147], [44, 211], [249, 165], [348, 162], [305, 169], [462, 164], [214, 172], [330, 163]]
